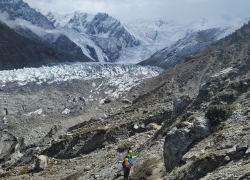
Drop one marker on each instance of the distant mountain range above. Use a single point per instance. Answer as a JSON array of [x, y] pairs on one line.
[[102, 38]]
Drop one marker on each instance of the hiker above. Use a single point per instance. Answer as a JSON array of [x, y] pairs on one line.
[[130, 152], [126, 168]]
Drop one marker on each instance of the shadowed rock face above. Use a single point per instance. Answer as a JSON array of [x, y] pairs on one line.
[[17, 52], [7, 145]]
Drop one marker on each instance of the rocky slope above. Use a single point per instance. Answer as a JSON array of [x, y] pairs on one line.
[[190, 122]]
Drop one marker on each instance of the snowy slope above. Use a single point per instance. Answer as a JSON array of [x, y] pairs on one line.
[[101, 36], [98, 33], [157, 35]]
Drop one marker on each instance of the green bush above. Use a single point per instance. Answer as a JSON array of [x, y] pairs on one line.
[[218, 113]]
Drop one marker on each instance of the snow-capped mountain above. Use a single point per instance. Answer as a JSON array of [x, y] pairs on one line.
[[17, 51], [17, 9], [26, 21], [101, 36], [181, 50], [104, 38], [159, 35], [199, 36]]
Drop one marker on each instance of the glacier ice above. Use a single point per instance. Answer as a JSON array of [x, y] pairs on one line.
[[116, 73]]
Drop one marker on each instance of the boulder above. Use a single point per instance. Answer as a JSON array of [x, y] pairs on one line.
[[180, 104], [126, 101], [106, 101], [8, 144], [153, 126], [66, 111], [178, 141], [204, 90], [41, 162], [232, 150], [87, 168]]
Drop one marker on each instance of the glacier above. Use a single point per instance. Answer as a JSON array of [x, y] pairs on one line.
[[122, 77]]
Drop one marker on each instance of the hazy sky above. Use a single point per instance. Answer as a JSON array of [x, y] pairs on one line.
[[176, 10]]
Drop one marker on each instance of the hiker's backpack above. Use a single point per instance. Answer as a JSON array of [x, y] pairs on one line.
[[131, 161], [130, 153], [127, 165]]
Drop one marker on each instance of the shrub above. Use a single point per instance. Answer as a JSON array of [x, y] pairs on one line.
[[218, 113], [143, 171]]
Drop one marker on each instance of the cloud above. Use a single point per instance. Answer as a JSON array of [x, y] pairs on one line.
[[4, 17], [176, 10]]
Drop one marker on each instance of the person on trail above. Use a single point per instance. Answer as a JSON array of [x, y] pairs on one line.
[[126, 168], [130, 152]]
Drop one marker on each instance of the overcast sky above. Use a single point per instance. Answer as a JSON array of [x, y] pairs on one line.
[[176, 10]]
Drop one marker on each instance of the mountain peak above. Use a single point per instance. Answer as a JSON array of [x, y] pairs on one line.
[[19, 9]]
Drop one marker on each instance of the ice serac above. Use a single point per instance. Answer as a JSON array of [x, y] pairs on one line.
[[121, 77]]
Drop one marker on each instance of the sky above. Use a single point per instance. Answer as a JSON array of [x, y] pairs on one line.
[[174, 10]]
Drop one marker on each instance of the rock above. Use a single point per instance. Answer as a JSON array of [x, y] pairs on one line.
[[41, 162], [227, 158], [82, 99], [153, 126], [178, 141], [4, 123], [232, 150], [201, 127], [247, 151], [106, 101], [136, 126], [66, 111], [103, 128], [183, 124], [242, 148], [126, 101], [8, 143], [181, 103], [191, 155], [204, 90], [87, 168]]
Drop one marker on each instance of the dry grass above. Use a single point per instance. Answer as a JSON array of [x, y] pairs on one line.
[[145, 170], [25, 170], [73, 176]]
